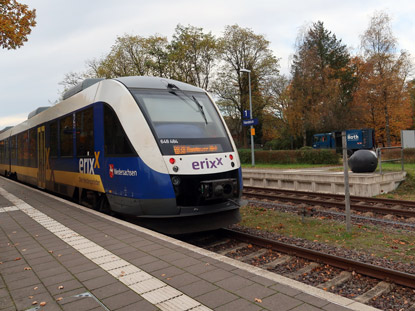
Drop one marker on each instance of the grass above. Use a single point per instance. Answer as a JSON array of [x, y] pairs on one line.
[[395, 245], [406, 190], [398, 245]]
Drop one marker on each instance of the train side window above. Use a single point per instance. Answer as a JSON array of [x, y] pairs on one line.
[[66, 136], [2, 151], [116, 142], [85, 133], [19, 149], [33, 147], [13, 148], [6, 151], [53, 139]]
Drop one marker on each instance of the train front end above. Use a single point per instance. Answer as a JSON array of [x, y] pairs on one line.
[[200, 157]]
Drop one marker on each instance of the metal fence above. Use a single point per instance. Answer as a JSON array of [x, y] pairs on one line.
[[379, 154]]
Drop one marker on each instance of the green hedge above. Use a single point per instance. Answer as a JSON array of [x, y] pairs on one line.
[[321, 156]]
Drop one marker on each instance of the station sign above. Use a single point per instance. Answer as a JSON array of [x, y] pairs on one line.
[[247, 114], [250, 122]]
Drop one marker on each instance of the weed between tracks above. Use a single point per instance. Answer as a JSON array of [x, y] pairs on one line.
[[394, 245]]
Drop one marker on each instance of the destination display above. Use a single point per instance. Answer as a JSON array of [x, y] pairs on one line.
[[188, 149]]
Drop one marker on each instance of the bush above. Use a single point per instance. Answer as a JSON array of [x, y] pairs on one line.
[[408, 154], [306, 156]]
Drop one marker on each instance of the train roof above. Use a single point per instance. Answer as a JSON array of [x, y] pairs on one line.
[[87, 89], [144, 82]]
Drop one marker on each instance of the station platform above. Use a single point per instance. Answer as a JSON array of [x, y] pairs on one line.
[[325, 180], [57, 255]]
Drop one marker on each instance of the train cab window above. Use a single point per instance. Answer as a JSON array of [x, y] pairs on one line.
[[53, 139], [66, 136], [85, 133], [32, 147], [116, 142]]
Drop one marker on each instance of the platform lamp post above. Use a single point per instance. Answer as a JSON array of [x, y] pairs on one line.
[[250, 112]]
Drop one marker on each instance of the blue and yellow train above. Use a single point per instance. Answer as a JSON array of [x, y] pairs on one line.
[[151, 148]]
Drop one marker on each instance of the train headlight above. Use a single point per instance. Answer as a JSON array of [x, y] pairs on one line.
[[176, 180]]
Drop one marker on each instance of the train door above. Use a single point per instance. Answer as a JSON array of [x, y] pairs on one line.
[[41, 157]]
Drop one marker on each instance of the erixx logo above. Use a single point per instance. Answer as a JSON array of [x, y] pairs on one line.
[[87, 165], [199, 165]]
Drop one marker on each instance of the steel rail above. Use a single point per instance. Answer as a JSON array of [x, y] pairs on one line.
[[398, 277], [337, 196], [304, 197]]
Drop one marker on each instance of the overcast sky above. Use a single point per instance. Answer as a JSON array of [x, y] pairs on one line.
[[68, 33]]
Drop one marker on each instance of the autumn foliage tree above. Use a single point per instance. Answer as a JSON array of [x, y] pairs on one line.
[[241, 48], [382, 92], [322, 83], [16, 23]]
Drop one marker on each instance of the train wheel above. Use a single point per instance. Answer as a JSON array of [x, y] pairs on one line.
[[104, 206]]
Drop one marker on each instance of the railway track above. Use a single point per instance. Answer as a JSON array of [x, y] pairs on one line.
[[366, 283], [399, 208]]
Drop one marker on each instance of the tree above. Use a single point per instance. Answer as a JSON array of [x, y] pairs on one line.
[[16, 23], [241, 48], [133, 56], [193, 55], [322, 84], [383, 88], [411, 92]]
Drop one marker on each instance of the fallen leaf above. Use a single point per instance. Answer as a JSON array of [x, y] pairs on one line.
[[42, 304], [34, 303], [31, 297], [51, 252], [258, 300], [35, 288], [164, 274], [59, 299], [60, 287], [27, 268], [17, 258]]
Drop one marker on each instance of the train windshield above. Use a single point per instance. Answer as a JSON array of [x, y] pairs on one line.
[[183, 122]]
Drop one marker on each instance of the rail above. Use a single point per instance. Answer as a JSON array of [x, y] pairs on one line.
[[379, 154]]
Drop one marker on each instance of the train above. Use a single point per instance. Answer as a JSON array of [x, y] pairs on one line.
[[152, 149], [356, 139]]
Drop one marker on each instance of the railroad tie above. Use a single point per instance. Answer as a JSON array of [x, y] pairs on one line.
[[381, 288], [256, 254], [279, 261], [341, 278], [306, 269], [237, 247], [223, 242]]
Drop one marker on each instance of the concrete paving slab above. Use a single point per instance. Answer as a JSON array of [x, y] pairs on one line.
[[83, 260]]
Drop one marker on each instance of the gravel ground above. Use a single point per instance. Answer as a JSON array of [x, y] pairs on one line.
[[329, 249]]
